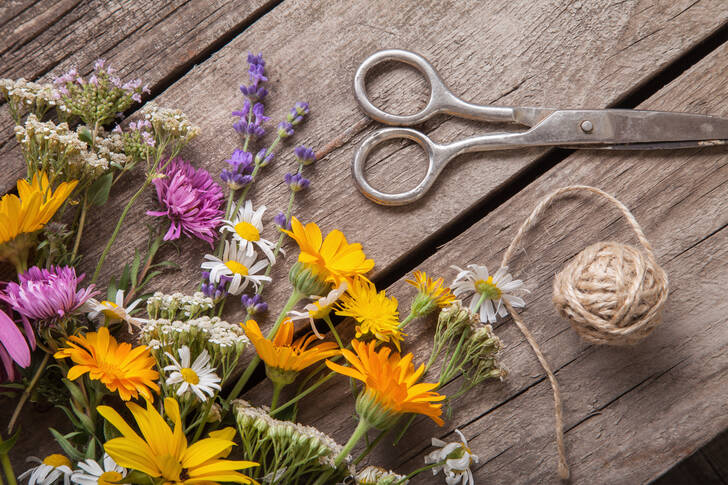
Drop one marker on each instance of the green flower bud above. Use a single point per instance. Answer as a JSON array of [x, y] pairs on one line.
[[305, 280]]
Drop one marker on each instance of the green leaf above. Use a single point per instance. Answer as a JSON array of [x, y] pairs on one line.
[[98, 193], [86, 423], [6, 446], [69, 414], [135, 267], [74, 390], [91, 448], [85, 135], [111, 291], [66, 445], [110, 432]]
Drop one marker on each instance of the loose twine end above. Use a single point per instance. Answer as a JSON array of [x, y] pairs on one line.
[[604, 272]]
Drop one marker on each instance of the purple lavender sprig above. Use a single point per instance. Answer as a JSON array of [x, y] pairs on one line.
[[254, 304]]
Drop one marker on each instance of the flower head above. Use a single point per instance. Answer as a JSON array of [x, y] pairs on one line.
[[164, 453], [282, 221], [198, 377], [283, 357], [454, 459], [49, 470], [239, 173], [246, 228], [254, 304], [332, 258], [296, 182], [47, 296], [375, 312], [488, 291], [115, 311], [391, 387], [30, 210], [191, 201], [263, 158], [117, 365], [319, 308], [304, 155], [285, 129], [298, 112], [374, 475], [431, 294], [92, 473], [239, 264]]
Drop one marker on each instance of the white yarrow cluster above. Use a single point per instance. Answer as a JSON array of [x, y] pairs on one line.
[[170, 123], [178, 306]]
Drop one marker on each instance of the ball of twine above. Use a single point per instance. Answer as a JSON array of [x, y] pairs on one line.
[[611, 293]]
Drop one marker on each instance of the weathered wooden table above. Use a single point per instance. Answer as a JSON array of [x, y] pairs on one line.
[[631, 413]]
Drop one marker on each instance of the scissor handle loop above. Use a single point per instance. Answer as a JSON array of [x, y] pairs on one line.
[[440, 95], [435, 158]]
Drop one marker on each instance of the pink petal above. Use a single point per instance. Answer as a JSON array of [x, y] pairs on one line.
[[12, 339]]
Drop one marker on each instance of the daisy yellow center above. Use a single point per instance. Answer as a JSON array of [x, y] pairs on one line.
[[55, 460], [111, 306], [190, 376], [488, 289], [247, 231], [237, 268], [109, 478]]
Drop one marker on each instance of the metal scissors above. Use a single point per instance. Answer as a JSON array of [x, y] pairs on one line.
[[623, 129]]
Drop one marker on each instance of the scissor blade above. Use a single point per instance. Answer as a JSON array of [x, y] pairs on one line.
[[623, 126], [660, 145]]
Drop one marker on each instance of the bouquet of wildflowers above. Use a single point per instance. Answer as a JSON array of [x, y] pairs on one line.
[[153, 382]]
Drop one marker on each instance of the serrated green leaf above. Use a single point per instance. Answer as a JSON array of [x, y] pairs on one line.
[[66, 445], [98, 193]]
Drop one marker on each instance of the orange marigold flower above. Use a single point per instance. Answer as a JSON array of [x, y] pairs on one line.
[[117, 365], [431, 294], [391, 387]]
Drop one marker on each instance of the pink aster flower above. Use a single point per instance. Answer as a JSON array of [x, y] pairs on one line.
[[191, 201], [45, 296], [13, 347]]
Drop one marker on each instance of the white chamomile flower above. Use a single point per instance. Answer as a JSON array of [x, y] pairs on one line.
[[455, 459], [319, 308], [246, 228], [200, 377], [115, 311], [488, 291], [91, 473], [239, 264], [49, 470]]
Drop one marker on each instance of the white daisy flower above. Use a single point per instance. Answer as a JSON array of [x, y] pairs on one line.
[[247, 226], [115, 311], [488, 291], [91, 473], [319, 308], [199, 377], [50, 469], [456, 459], [239, 264]]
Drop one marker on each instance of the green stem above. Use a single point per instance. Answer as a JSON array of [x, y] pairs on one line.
[[404, 429], [8, 469], [359, 432], [407, 320], [371, 446], [301, 395], [295, 297], [118, 227], [328, 321], [447, 371], [277, 387], [418, 471], [26, 393], [81, 222], [203, 420]]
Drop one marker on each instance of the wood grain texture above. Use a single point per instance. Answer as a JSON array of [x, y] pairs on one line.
[[631, 413], [152, 40], [501, 52]]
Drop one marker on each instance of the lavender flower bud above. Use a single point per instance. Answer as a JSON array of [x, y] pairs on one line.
[[262, 159], [304, 155], [282, 222], [256, 59], [285, 129], [254, 304], [296, 182]]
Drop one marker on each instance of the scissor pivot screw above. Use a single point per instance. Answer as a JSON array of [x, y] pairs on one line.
[[587, 126]]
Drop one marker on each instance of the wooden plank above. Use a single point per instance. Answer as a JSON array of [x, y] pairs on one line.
[[538, 53], [153, 40], [630, 413]]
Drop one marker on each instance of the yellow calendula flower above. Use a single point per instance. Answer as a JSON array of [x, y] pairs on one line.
[[431, 294], [32, 208], [117, 365], [376, 312], [162, 452], [391, 387], [332, 258], [283, 357]]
